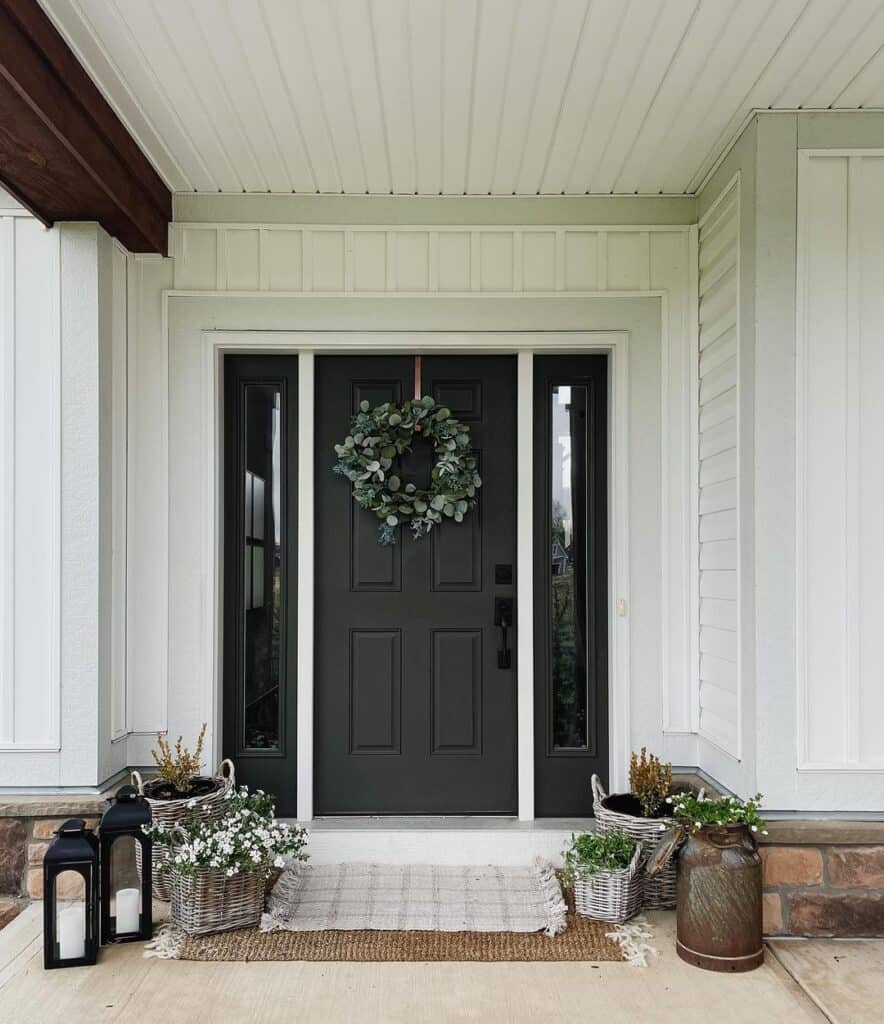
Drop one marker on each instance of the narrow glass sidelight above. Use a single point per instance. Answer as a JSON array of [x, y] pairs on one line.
[[262, 590], [568, 568]]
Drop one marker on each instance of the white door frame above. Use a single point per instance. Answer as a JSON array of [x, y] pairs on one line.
[[524, 346]]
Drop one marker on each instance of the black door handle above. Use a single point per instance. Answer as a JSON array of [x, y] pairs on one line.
[[503, 617]]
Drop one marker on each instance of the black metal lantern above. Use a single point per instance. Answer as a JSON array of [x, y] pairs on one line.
[[126, 869], [70, 897]]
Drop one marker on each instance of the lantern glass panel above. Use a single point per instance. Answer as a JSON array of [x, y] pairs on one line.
[[125, 886], [71, 915]]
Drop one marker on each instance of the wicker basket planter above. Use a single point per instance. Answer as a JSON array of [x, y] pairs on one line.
[[658, 892], [212, 901], [613, 896], [169, 812]]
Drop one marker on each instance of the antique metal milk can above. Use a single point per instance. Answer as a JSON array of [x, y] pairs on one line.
[[719, 899]]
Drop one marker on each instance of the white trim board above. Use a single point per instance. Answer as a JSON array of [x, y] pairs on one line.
[[616, 343]]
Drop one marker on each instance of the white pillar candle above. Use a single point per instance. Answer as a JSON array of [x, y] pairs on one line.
[[72, 932], [127, 911]]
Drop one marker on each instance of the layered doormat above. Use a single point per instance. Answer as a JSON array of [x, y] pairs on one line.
[[393, 913]]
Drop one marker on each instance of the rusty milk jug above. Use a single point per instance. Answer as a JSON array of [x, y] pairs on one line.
[[719, 900]]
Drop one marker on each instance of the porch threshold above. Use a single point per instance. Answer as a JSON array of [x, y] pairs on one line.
[[439, 839]]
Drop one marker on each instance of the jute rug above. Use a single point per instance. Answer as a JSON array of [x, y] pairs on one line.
[[582, 940], [557, 934]]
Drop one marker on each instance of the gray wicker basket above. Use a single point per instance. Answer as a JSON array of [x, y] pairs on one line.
[[210, 901], [170, 812], [613, 896], [658, 892]]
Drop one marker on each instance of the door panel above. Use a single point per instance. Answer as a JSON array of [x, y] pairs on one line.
[[260, 572], [413, 714], [570, 581]]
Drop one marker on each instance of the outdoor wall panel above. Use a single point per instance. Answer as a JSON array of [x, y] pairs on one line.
[[839, 471], [717, 478]]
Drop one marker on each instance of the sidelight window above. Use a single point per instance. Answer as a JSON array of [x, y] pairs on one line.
[[568, 568], [263, 569]]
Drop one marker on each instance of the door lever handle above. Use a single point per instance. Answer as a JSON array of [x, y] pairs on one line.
[[503, 617]]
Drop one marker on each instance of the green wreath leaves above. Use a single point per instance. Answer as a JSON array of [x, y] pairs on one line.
[[367, 458]]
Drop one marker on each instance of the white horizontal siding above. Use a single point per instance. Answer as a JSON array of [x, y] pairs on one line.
[[717, 474]]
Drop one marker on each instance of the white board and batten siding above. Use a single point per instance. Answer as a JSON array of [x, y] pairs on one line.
[[62, 506], [30, 500], [414, 260], [839, 465], [717, 620]]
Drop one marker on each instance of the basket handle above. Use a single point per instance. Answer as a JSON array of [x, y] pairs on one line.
[[137, 781], [226, 771], [598, 790], [636, 861]]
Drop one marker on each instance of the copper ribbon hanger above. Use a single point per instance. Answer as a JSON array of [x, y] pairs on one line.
[[417, 385]]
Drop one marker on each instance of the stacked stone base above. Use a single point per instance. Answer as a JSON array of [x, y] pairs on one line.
[[824, 878], [821, 878], [27, 826]]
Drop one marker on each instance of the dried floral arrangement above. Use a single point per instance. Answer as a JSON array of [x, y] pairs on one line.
[[649, 780], [178, 766]]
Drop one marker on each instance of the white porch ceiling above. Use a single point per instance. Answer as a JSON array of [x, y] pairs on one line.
[[462, 97]]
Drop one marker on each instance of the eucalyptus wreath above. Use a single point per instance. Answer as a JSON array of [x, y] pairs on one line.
[[369, 453]]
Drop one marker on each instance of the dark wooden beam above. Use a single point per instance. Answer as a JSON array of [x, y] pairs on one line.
[[64, 153]]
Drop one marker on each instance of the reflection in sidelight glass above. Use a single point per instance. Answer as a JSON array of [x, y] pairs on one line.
[[568, 617], [262, 568]]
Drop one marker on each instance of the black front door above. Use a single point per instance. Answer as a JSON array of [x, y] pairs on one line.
[[412, 713]]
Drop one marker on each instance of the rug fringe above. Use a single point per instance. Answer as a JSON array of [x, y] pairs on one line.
[[281, 896], [634, 940], [556, 907], [166, 942]]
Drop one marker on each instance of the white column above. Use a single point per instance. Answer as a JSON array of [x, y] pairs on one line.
[[525, 581], [306, 441]]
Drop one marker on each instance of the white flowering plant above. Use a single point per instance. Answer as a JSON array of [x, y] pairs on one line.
[[696, 812], [246, 838]]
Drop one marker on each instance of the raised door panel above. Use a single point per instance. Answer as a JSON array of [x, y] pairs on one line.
[[375, 691], [456, 674]]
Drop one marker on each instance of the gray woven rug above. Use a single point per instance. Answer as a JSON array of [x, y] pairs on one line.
[[416, 897]]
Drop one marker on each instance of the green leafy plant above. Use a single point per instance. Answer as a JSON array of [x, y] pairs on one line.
[[247, 838], [594, 852], [178, 766], [695, 813], [649, 780], [379, 436]]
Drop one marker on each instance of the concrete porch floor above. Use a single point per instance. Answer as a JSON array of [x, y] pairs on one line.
[[846, 979]]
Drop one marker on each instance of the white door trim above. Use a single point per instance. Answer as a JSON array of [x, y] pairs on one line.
[[524, 345]]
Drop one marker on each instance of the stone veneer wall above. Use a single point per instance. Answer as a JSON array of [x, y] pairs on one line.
[[26, 827], [824, 878], [820, 877]]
